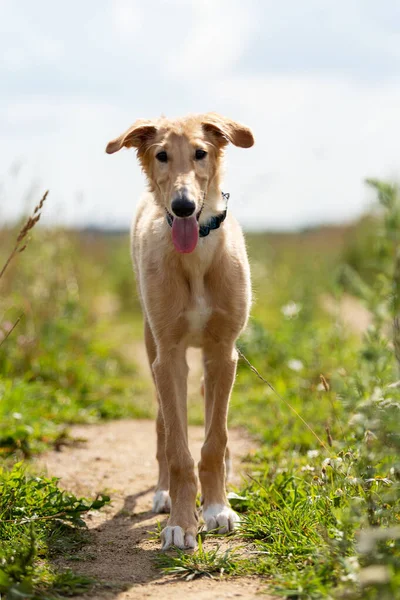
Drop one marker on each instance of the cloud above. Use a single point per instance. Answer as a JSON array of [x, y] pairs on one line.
[[318, 82], [357, 39], [316, 141], [213, 40]]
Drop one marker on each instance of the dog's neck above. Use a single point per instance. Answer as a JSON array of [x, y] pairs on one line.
[[215, 203]]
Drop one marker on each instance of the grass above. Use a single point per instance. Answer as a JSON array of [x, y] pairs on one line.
[[321, 509], [200, 563], [34, 514], [320, 512], [56, 369]]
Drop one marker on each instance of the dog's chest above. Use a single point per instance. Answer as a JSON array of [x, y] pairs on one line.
[[199, 308], [197, 317]]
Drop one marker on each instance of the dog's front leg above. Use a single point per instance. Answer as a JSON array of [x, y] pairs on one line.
[[219, 370], [170, 372]]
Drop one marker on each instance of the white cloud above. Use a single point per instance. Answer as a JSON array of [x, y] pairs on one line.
[[316, 81], [213, 40], [22, 43], [127, 18], [316, 141]]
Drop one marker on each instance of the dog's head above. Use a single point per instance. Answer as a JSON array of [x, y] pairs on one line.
[[181, 159]]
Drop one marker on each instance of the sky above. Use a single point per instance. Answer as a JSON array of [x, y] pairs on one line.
[[318, 81]]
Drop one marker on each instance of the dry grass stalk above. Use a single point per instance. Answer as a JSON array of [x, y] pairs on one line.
[[30, 223], [10, 331], [324, 383]]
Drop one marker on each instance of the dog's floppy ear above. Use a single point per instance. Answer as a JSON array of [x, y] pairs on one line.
[[137, 136], [225, 130]]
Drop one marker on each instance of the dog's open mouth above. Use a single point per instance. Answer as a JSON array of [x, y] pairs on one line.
[[185, 232]]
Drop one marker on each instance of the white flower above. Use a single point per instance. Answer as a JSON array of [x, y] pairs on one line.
[[312, 453], [377, 394], [307, 468], [353, 480], [17, 416], [356, 419], [295, 364], [291, 310], [335, 463], [369, 436], [384, 480]]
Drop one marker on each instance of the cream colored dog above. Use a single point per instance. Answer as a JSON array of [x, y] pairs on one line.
[[194, 283]]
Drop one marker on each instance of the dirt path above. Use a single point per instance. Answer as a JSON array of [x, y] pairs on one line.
[[349, 311], [118, 458]]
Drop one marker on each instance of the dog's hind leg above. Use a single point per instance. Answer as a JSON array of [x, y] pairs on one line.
[[220, 370], [161, 499]]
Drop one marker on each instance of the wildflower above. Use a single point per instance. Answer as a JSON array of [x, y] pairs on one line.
[[369, 437], [357, 419], [335, 463], [7, 326], [17, 416], [295, 364], [317, 480], [308, 468], [352, 567], [377, 394], [384, 480], [291, 310], [324, 382], [312, 453], [353, 480]]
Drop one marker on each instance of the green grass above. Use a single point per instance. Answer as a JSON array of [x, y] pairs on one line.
[[36, 521], [307, 505], [318, 519], [200, 563], [60, 365]]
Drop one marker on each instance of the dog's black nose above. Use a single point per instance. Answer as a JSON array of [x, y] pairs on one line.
[[183, 207]]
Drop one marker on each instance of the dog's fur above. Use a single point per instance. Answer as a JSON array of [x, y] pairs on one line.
[[198, 299]]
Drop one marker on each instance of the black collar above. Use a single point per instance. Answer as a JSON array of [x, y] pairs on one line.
[[213, 223]]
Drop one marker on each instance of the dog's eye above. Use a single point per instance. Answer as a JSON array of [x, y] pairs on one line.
[[200, 154], [162, 156]]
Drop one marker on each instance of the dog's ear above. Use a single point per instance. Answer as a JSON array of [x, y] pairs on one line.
[[225, 130], [137, 136]]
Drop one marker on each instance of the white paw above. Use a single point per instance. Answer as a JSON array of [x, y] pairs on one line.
[[175, 536], [161, 502], [220, 517]]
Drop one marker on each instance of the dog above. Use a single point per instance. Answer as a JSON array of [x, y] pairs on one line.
[[193, 281]]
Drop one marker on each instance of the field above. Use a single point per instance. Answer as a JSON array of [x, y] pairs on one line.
[[320, 508]]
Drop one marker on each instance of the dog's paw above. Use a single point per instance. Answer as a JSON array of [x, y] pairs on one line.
[[161, 502], [175, 536], [220, 518]]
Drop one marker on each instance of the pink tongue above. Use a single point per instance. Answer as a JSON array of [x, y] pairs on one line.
[[185, 234]]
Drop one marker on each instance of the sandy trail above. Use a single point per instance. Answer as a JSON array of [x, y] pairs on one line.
[[349, 311], [118, 458]]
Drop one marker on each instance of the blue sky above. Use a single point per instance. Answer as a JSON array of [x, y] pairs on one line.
[[318, 81]]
